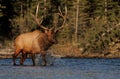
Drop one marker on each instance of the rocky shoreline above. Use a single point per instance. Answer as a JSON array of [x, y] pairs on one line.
[[7, 53], [10, 56], [3, 56]]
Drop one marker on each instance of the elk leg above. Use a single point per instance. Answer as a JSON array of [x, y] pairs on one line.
[[44, 59], [15, 55], [33, 59], [24, 56]]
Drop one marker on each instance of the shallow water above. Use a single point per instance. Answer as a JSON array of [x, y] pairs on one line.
[[62, 69]]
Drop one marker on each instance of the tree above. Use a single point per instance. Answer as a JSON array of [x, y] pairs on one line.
[[6, 14], [77, 16]]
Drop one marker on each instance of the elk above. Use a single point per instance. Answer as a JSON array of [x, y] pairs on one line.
[[36, 42]]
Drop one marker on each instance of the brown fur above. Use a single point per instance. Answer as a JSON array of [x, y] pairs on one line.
[[35, 42]]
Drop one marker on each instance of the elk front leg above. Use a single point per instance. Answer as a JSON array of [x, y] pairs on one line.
[[14, 57], [44, 58], [33, 59]]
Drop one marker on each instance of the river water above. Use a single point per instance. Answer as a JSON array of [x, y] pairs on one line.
[[62, 69]]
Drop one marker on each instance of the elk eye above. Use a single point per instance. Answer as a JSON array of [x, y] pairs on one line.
[[52, 32]]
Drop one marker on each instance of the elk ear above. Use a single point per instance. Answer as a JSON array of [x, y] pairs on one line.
[[56, 31]]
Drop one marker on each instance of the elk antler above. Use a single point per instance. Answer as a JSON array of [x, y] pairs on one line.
[[64, 18], [38, 21]]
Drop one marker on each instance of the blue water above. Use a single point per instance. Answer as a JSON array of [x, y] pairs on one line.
[[62, 69]]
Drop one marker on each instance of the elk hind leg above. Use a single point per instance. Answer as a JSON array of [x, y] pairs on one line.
[[17, 52]]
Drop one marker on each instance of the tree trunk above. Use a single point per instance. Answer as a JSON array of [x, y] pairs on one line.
[[76, 23], [106, 4], [45, 10]]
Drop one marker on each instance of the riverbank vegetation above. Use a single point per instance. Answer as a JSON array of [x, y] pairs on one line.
[[92, 27]]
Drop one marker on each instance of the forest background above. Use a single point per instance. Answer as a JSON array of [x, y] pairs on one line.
[[92, 28]]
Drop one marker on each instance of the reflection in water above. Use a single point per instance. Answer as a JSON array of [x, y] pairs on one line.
[[62, 69], [50, 59]]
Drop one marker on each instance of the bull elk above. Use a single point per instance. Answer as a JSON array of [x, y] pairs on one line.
[[36, 42]]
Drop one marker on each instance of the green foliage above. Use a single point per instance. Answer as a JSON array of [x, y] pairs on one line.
[[66, 35], [97, 20], [100, 36], [84, 13]]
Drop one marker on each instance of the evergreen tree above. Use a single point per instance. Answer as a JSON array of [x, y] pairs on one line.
[[6, 13]]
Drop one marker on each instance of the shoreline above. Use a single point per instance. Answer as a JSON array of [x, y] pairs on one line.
[[5, 56]]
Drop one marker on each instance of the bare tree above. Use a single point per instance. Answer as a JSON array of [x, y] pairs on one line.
[[76, 23]]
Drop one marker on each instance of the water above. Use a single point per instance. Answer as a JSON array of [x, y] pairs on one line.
[[62, 69]]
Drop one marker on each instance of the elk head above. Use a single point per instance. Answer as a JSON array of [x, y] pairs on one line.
[[51, 33]]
